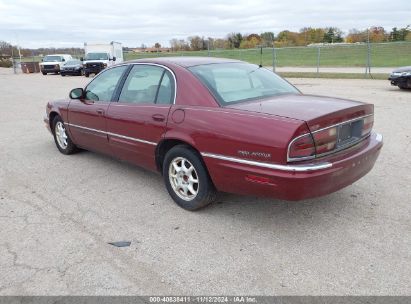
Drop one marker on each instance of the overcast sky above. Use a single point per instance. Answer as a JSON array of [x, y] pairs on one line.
[[42, 23]]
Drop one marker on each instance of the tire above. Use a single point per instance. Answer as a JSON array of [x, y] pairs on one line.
[[44, 73], [182, 185], [63, 74], [87, 74], [62, 140]]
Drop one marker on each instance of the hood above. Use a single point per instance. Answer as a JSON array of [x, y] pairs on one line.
[[317, 111], [402, 69]]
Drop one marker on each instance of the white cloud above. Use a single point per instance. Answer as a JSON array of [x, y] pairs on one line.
[[36, 23]]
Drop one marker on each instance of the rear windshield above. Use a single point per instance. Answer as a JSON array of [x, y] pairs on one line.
[[237, 82]]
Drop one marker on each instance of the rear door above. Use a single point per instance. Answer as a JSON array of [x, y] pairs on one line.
[[137, 121], [87, 117]]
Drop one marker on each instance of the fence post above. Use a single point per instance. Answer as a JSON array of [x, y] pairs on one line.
[[13, 61], [368, 67], [318, 59], [274, 58]]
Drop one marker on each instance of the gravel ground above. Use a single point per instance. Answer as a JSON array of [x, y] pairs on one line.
[[57, 214]]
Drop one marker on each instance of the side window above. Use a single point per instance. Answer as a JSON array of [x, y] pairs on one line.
[[166, 90], [102, 87], [146, 84]]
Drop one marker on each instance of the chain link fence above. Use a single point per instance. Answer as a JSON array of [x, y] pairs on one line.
[[362, 58]]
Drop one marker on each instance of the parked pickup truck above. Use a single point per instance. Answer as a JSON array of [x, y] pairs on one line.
[[53, 63]]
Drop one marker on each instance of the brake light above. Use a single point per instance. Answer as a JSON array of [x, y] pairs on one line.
[[302, 147], [368, 124], [326, 140]]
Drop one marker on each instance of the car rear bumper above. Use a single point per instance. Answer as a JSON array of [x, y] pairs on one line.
[[294, 182]]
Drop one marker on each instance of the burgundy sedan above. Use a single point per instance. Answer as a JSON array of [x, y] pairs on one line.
[[211, 125]]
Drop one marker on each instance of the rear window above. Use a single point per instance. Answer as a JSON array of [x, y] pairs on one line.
[[238, 82]]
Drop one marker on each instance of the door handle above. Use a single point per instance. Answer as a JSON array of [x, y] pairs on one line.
[[100, 111], [158, 117]]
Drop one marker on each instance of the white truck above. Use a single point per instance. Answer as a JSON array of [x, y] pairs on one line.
[[98, 56], [53, 63]]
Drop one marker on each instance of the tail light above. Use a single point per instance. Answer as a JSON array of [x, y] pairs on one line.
[[368, 124], [301, 148], [325, 140], [331, 139]]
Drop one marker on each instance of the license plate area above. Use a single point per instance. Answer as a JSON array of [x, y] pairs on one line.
[[349, 133]]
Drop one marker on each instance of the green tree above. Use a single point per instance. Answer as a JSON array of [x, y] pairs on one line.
[[267, 38]]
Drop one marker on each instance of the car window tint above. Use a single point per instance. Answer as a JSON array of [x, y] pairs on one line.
[[142, 84], [166, 91], [103, 86], [238, 82]]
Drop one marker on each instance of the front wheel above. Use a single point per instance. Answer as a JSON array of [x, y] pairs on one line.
[[61, 137], [187, 179]]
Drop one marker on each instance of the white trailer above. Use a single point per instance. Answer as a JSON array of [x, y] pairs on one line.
[[98, 56]]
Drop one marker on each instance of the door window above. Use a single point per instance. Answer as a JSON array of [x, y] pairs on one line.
[[148, 84], [104, 85]]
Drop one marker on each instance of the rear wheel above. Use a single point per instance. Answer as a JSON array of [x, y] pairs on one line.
[[187, 179], [61, 137], [87, 74], [44, 73]]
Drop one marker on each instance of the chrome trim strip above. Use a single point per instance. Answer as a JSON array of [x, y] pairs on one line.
[[292, 168], [322, 129], [113, 134]]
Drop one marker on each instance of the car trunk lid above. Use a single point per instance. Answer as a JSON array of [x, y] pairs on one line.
[[317, 111]]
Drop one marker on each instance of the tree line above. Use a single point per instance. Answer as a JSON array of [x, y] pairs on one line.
[[236, 40], [306, 36]]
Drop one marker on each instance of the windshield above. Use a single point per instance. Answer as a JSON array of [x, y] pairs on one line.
[[237, 82], [73, 62], [52, 58], [97, 56]]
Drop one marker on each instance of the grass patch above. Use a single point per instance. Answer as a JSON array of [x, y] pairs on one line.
[[382, 55]]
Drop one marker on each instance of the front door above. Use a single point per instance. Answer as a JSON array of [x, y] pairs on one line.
[[137, 121], [87, 116]]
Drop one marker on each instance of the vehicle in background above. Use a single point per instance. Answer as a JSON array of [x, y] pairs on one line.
[[210, 124], [53, 63], [100, 56], [72, 67], [401, 77]]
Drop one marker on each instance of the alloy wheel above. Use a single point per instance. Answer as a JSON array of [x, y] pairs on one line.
[[183, 178]]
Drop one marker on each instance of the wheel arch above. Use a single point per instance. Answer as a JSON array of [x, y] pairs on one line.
[[52, 116], [166, 145]]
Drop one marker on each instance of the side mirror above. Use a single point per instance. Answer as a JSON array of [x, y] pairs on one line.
[[114, 58], [76, 93], [63, 60], [81, 59]]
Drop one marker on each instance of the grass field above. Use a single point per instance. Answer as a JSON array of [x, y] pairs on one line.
[[382, 55]]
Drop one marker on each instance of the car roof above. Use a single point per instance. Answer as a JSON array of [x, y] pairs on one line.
[[186, 61]]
